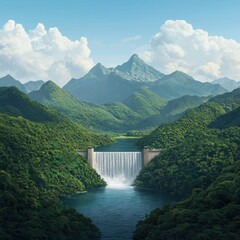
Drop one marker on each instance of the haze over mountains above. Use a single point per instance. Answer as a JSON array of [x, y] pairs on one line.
[[9, 81], [106, 85], [102, 85]]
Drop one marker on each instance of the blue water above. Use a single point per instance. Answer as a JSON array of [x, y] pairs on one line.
[[116, 210], [121, 145]]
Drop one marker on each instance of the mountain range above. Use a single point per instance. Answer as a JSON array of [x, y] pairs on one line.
[[9, 81], [141, 110], [227, 83], [103, 85]]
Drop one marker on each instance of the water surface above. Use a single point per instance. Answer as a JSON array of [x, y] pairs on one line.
[[115, 211]]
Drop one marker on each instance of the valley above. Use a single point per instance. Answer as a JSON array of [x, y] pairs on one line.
[[193, 182]]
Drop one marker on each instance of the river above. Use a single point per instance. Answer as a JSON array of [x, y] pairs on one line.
[[116, 209]]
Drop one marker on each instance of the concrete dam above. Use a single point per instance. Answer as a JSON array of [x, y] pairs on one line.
[[119, 167]]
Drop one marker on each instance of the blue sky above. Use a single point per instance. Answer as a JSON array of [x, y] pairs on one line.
[[107, 22], [115, 29]]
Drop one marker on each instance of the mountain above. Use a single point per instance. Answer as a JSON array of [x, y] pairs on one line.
[[198, 162], [100, 88], [104, 85], [33, 85], [145, 102], [207, 214], [178, 84], [182, 104], [135, 69], [39, 163], [226, 83], [90, 115], [16, 103], [172, 111], [196, 118], [9, 81], [229, 119]]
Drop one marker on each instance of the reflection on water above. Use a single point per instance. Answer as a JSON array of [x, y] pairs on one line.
[[116, 210]]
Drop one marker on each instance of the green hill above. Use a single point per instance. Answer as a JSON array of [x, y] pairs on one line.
[[40, 163], [197, 118], [207, 214], [90, 115], [227, 120], [182, 104], [145, 102], [9, 81], [16, 103], [192, 161], [178, 84]]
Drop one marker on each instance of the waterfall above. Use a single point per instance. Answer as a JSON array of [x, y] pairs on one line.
[[118, 168]]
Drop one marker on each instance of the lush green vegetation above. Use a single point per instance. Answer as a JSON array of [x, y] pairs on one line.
[[193, 157], [16, 103], [193, 163], [90, 115], [141, 111], [208, 214], [227, 120], [196, 119], [145, 102], [27, 212], [39, 163]]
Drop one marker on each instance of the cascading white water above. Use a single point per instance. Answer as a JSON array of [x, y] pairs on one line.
[[118, 168]]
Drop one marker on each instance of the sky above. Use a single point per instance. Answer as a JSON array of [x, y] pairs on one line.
[[62, 39]]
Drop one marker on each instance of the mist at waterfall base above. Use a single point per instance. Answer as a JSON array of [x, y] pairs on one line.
[[117, 208], [118, 168], [119, 163]]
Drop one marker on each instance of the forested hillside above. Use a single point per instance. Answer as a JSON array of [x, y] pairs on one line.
[[208, 214], [39, 163], [194, 154]]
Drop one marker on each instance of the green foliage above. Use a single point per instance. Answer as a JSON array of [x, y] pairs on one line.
[[90, 115], [192, 159], [227, 120], [182, 104], [16, 103], [39, 163], [193, 163], [173, 133], [145, 102], [196, 119], [142, 110], [31, 213], [213, 213]]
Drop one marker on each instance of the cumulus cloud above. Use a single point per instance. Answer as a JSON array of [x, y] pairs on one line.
[[42, 54], [178, 46]]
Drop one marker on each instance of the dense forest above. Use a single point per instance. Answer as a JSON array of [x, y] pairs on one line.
[[39, 163], [200, 161], [208, 214]]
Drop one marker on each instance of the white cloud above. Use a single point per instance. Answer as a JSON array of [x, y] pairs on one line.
[[42, 54], [178, 46], [133, 38]]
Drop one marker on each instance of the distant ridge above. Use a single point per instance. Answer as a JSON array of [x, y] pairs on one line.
[[105, 85], [9, 81], [227, 83]]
